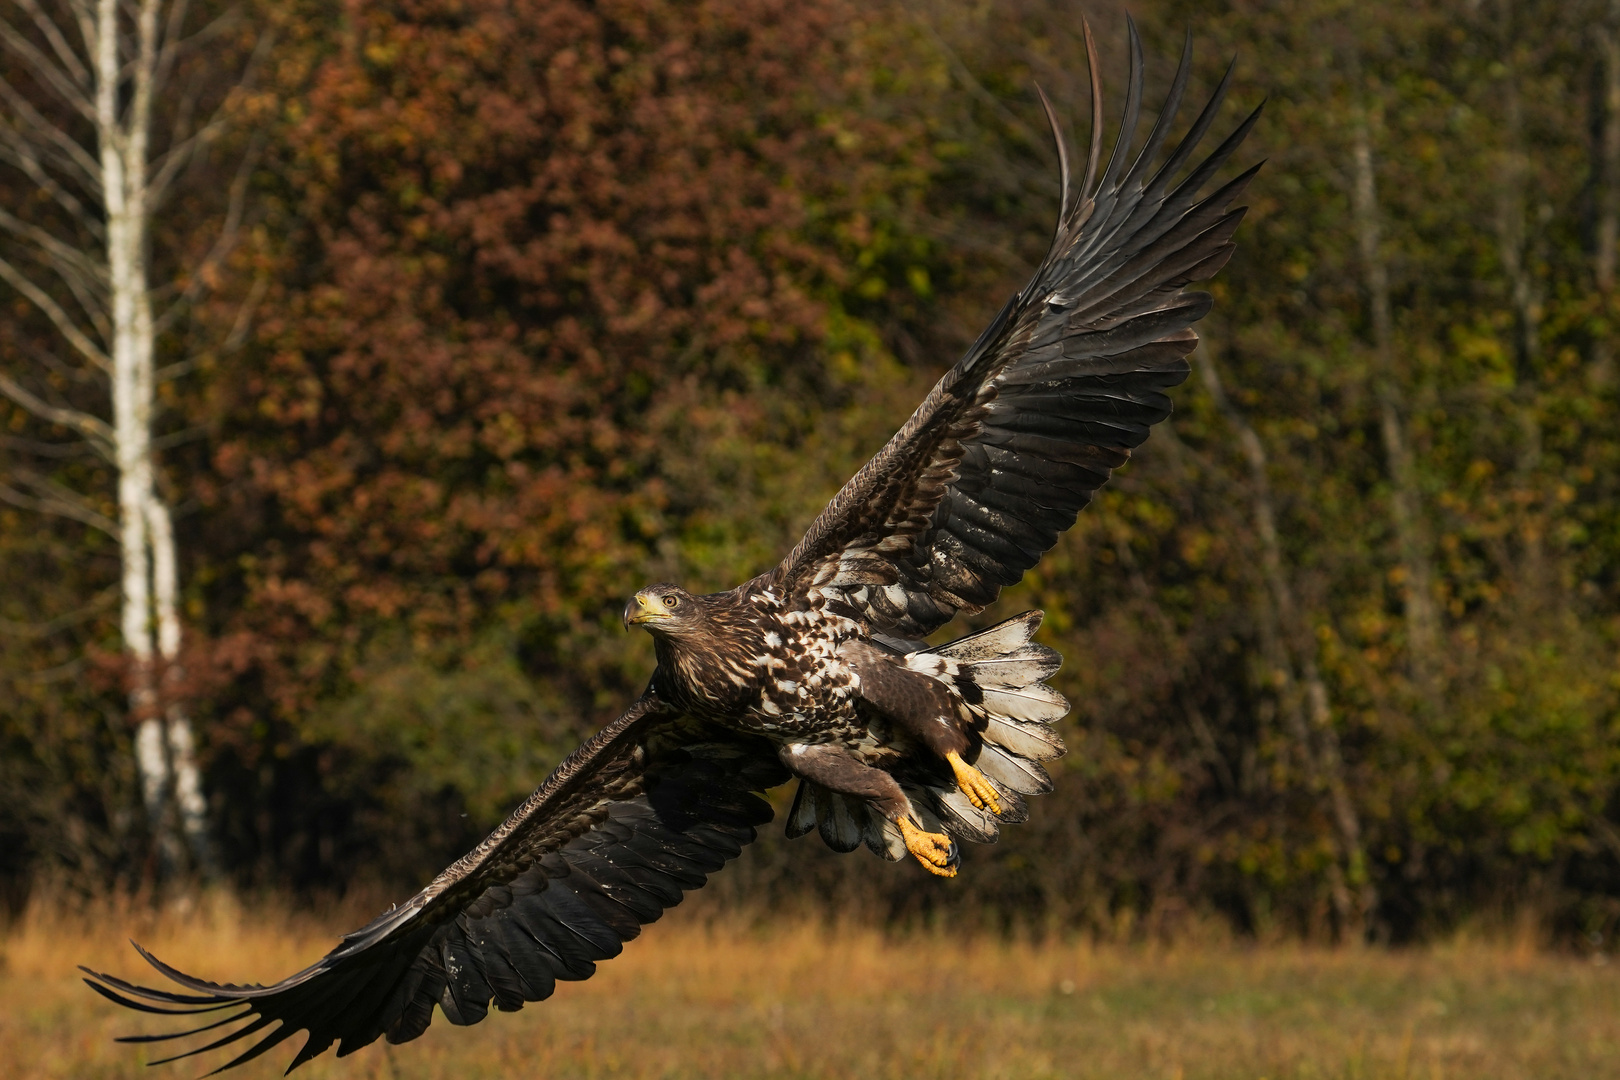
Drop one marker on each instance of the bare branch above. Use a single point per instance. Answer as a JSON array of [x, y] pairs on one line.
[[47, 389], [80, 272], [94, 305], [233, 340], [48, 73], [175, 46], [62, 672], [173, 42], [132, 8], [95, 431], [178, 438], [223, 244], [55, 248], [17, 150], [68, 153], [244, 315], [58, 42], [49, 359], [182, 112], [31, 630], [92, 300], [42, 300], [966, 77], [71, 507], [168, 165], [59, 451], [85, 15], [170, 372]]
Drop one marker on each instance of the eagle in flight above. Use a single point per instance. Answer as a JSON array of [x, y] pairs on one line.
[[818, 670]]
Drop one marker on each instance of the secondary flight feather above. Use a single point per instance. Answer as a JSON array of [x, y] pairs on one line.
[[816, 670]]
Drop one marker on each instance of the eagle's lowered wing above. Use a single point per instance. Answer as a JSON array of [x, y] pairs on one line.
[[642, 811], [1068, 379]]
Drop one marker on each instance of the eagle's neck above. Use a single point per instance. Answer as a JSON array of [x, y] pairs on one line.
[[712, 668]]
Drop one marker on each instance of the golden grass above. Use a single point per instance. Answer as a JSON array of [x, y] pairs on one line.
[[699, 998]]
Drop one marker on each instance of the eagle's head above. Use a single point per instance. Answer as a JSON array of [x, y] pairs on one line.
[[665, 610]]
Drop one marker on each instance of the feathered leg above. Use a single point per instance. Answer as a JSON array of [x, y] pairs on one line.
[[838, 770]]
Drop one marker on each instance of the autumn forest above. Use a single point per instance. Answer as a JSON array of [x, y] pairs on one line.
[[475, 316]]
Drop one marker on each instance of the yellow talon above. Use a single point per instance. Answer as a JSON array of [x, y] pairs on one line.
[[933, 850], [974, 784]]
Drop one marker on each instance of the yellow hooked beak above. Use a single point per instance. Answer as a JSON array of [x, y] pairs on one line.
[[644, 609]]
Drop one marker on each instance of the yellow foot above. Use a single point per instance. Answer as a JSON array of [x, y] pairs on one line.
[[974, 784], [933, 850]]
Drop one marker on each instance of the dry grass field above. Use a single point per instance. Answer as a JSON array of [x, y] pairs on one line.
[[696, 998]]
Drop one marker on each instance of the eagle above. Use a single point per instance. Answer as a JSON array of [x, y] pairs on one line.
[[819, 670]]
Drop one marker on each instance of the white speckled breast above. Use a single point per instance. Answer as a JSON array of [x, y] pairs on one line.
[[794, 686]]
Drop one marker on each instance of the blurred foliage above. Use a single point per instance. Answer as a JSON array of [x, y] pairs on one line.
[[549, 300]]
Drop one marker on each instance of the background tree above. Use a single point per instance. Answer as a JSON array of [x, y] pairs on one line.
[[557, 299], [100, 119]]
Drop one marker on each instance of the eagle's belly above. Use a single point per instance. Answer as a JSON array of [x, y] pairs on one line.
[[812, 703], [805, 691]]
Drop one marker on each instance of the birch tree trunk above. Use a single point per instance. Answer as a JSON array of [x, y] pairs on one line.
[[1606, 177], [1405, 501], [1306, 706], [1514, 247], [122, 153], [108, 64]]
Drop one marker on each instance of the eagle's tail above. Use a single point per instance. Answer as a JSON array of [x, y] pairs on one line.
[[998, 674]]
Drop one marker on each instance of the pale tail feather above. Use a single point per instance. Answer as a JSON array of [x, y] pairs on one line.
[[1028, 665], [999, 640], [1033, 742], [998, 672], [1037, 703], [883, 836], [963, 819], [1011, 772]]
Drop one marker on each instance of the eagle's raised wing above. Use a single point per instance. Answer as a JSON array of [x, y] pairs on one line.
[[645, 809], [1068, 379]]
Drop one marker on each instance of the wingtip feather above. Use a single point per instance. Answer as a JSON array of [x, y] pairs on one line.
[[1095, 70], [1063, 164]]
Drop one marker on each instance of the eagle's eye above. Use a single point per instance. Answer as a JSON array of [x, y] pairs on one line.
[[672, 600]]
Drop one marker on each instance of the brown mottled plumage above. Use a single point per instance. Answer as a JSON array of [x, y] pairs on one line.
[[816, 669]]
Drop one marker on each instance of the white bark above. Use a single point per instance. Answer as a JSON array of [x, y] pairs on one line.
[[188, 793], [108, 61], [123, 199]]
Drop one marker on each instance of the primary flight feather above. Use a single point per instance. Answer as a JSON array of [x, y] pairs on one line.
[[817, 670]]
